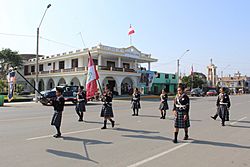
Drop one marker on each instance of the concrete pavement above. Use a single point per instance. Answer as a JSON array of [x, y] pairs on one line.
[[25, 137]]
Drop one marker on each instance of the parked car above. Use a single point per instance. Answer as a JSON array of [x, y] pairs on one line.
[[69, 94], [211, 93], [197, 92]]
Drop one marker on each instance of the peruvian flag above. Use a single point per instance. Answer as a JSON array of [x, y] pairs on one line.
[[131, 30], [92, 76]]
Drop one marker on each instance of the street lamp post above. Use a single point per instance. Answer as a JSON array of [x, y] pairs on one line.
[[37, 52], [178, 65]]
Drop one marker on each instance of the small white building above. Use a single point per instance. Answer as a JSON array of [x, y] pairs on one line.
[[117, 67]]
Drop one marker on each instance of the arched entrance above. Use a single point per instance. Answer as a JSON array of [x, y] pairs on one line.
[[127, 86], [75, 82], [41, 85], [61, 82], [111, 82], [51, 84]]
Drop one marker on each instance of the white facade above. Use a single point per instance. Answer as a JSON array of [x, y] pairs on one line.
[[116, 66]]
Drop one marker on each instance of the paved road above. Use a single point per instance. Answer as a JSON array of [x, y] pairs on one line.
[[25, 137]]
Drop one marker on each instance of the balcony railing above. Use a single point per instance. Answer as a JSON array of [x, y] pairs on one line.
[[80, 69]]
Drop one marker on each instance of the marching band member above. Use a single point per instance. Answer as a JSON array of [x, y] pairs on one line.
[[107, 110], [223, 104], [181, 113], [136, 102], [81, 101], [58, 104], [164, 103]]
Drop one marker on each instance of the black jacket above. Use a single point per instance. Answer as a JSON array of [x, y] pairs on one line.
[[58, 103]]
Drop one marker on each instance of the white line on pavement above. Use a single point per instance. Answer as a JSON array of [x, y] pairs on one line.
[[238, 121], [158, 155], [67, 133]]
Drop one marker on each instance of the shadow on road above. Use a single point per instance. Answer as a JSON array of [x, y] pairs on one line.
[[69, 155], [87, 141], [238, 126], [135, 131], [220, 144], [76, 155], [148, 137]]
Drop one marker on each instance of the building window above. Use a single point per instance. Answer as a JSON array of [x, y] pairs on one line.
[[32, 69], [74, 63], [49, 64], [111, 64], [95, 62], [166, 76], [26, 70], [54, 65], [40, 67], [173, 77], [126, 65], [61, 65], [158, 75]]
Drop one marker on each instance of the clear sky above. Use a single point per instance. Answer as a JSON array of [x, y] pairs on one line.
[[217, 29]]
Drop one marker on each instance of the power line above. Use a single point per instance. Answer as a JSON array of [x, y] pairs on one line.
[[33, 36]]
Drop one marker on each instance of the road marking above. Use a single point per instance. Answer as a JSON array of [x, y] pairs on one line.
[[158, 155], [238, 121], [67, 133]]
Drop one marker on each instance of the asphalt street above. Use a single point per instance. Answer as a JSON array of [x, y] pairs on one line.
[[26, 137]]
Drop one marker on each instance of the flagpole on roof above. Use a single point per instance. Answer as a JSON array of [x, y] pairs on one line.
[[89, 54]]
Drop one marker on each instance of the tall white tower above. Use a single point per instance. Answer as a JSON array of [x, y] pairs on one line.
[[211, 76]]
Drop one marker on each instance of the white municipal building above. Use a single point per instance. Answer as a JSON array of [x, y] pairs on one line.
[[116, 67]]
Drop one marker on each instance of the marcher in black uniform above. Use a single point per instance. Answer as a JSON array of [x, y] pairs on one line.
[[81, 101], [223, 104], [164, 103], [135, 101], [181, 112], [107, 110], [58, 104]]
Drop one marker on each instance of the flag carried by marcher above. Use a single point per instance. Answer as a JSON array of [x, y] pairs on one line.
[[11, 78], [92, 77], [131, 30]]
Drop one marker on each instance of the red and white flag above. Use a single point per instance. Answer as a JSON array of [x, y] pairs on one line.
[[92, 76], [131, 30]]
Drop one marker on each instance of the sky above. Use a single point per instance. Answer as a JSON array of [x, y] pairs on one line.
[[164, 28]]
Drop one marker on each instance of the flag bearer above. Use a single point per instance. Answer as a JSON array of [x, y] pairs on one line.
[[164, 103], [181, 113], [58, 104], [107, 110], [81, 101], [223, 104], [136, 102]]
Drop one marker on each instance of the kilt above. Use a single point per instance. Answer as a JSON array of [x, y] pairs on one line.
[[80, 107], [223, 112], [163, 106], [57, 118], [136, 105], [179, 120], [107, 110]]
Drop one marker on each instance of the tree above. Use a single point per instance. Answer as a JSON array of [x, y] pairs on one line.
[[9, 58], [192, 81]]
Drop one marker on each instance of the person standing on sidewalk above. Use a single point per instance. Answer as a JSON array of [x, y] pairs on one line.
[[107, 110], [81, 101], [164, 103], [223, 105], [136, 102], [58, 104], [181, 113]]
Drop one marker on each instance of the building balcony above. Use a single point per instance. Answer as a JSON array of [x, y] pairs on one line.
[[82, 69]]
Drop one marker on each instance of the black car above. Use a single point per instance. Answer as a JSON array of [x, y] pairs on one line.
[[197, 92], [69, 94]]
